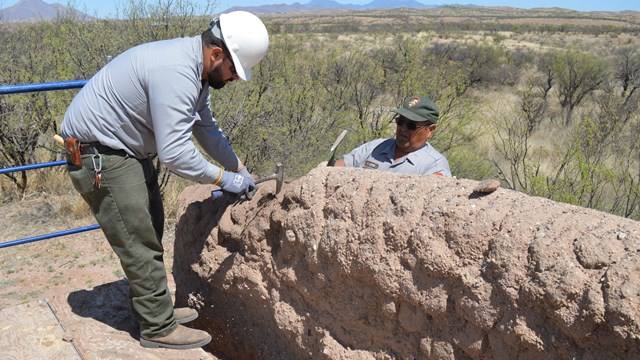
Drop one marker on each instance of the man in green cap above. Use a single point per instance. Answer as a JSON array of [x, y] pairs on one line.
[[409, 152]]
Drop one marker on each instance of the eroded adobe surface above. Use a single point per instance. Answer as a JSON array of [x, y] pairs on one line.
[[354, 264]]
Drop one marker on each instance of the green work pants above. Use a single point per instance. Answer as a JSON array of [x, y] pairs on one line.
[[128, 208]]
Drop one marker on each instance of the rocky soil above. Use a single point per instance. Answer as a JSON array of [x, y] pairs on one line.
[[353, 264]]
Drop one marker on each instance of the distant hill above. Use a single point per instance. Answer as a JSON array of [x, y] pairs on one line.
[[390, 4], [332, 5], [326, 4], [34, 10]]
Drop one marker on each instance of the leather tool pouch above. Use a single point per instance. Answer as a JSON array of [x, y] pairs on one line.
[[73, 148]]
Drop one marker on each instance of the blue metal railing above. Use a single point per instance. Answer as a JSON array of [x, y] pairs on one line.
[[56, 85], [32, 166], [24, 88], [49, 236]]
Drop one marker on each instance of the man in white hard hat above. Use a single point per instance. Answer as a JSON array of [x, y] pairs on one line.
[[149, 101]]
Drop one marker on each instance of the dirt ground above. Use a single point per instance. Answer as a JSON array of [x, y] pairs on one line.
[[54, 266], [80, 278]]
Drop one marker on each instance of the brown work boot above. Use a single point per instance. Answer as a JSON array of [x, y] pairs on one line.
[[184, 315], [181, 338]]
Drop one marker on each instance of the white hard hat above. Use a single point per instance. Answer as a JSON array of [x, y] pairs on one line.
[[247, 39]]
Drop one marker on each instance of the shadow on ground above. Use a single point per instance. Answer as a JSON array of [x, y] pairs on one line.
[[108, 303]]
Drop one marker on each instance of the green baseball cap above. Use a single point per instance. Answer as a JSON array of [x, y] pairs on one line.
[[419, 108]]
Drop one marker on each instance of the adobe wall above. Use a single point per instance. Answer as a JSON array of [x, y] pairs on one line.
[[356, 264]]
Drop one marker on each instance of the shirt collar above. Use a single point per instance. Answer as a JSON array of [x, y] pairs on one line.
[[411, 157]]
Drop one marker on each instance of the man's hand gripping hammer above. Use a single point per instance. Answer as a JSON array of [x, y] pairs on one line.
[[278, 176]]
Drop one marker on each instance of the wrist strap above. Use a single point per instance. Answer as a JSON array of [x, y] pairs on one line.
[[219, 177]]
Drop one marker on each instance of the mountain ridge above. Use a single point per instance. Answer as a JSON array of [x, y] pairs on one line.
[[333, 5], [34, 10]]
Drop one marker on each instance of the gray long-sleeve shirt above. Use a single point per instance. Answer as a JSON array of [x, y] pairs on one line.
[[150, 100], [378, 154]]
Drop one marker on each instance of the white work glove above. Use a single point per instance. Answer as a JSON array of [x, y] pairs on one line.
[[244, 172], [237, 183]]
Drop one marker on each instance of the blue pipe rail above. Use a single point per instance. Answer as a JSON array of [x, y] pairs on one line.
[[49, 236], [47, 86], [32, 166], [24, 88]]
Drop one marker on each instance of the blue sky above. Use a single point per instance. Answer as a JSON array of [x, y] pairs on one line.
[[104, 8]]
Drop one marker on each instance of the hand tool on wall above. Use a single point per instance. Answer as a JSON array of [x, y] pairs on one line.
[[278, 176], [334, 147]]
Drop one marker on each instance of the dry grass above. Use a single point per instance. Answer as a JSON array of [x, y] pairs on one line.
[[53, 186], [171, 195]]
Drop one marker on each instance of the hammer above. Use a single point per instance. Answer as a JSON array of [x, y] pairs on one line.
[[278, 176]]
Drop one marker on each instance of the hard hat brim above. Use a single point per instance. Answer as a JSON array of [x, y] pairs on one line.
[[243, 73]]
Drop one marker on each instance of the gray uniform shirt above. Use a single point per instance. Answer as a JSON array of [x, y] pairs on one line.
[[150, 100], [378, 154]]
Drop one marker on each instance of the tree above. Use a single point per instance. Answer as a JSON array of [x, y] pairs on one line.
[[577, 75], [511, 139], [533, 106], [545, 67], [627, 74], [23, 117], [150, 20]]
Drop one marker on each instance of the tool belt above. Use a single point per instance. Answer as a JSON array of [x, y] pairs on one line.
[[75, 150]]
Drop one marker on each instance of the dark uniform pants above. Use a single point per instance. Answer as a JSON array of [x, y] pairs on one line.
[[128, 207]]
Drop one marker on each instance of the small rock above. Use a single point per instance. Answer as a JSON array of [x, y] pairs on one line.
[[291, 236], [487, 186]]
